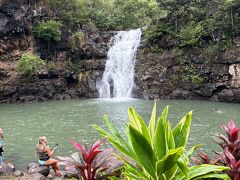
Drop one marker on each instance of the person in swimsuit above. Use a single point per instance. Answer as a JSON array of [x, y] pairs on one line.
[[44, 153]]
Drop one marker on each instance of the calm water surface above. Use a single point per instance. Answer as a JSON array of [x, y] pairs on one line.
[[61, 120]]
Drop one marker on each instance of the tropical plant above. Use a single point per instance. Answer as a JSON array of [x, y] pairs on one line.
[[105, 14], [29, 63], [94, 163], [156, 151], [230, 156], [49, 30], [78, 39], [191, 33]]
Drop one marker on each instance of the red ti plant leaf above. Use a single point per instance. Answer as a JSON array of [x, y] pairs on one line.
[[97, 144], [231, 130], [205, 158], [94, 151], [230, 155], [80, 148], [94, 164], [230, 158], [234, 134]]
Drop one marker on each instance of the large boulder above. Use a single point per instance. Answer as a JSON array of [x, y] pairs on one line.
[[206, 90], [37, 168], [226, 95], [7, 168]]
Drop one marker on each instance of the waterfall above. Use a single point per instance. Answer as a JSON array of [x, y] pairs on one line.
[[118, 77]]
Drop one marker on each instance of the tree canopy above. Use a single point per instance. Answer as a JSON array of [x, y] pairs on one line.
[[188, 21]]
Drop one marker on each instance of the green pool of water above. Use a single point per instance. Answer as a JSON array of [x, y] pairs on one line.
[[60, 120]]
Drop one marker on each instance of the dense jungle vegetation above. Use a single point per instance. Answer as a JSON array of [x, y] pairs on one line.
[[187, 21], [212, 25]]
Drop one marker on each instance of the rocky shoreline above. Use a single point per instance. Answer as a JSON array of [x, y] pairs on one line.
[[33, 171]]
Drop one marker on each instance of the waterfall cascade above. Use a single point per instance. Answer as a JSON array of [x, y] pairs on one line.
[[118, 77]]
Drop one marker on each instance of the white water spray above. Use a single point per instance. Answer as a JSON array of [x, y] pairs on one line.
[[118, 77]]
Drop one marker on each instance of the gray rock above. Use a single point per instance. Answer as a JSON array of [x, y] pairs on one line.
[[92, 84], [7, 168], [35, 176], [226, 95], [236, 93], [36, 168], [18, 173], [179, 94], [206, 90]]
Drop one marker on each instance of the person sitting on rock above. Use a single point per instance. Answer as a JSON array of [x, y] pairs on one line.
[[44, 153], [1, 148]]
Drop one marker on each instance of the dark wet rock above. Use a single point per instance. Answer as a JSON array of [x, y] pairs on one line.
[[3, 73], [236, 93], [179, 94], [51, 74], [206, 90], [33, 168], [226, 95], [70, 77]]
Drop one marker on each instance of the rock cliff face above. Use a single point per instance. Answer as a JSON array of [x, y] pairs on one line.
[[170, 73], [188, 74], [61, 81]]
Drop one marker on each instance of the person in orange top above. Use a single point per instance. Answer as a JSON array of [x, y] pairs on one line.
[[44, 154]]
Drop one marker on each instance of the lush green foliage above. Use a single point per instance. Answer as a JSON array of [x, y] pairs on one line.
[[155, 32], [193, 22], [28, 64], [106, 14], [93, 163], [190, 75], [158, 150], [191, 33], [49, 30], [230, 155], [77, 39]]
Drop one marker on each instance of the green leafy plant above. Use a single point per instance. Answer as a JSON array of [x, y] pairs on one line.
[[191, 33], [105, 14], [93, 164], [77, 39], [29, 63], [153, 33], [49, 30], [158, 151], [191, 74]]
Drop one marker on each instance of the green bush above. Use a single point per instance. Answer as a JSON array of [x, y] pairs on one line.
[[106, 14], [190, 74], [49, 30], [29, 63], [214, 50], [158, 151], [77, 39], [153, 33], [191, 33]]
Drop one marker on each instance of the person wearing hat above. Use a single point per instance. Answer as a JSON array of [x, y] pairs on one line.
[[44, 154], [1, 148]]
